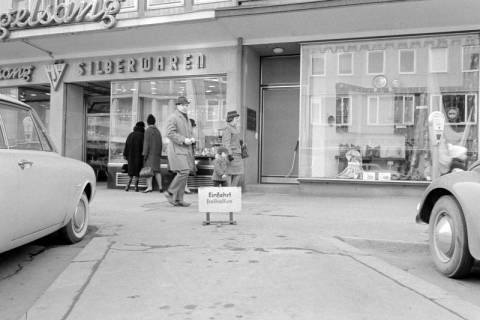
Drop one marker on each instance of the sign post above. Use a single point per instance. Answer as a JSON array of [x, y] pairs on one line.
[[436, 125], [219, 199]]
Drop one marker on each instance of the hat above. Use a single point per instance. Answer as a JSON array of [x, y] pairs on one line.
[[220, 150], [232, 114], [150, 119], [140, 124], [182, 100]]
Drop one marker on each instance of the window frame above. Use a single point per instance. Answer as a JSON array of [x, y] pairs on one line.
[[465, 119], [351, 63], [404, 122], [463, 59], [316, 55], [350, 109], [430, 60], [400, 61], [383, 62]]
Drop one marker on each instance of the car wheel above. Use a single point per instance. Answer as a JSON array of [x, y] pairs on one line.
[[77, 227], [448, 238]]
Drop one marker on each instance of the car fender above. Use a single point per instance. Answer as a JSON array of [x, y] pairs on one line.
[[87, 183], [465, 187]]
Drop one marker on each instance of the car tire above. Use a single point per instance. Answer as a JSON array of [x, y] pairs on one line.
[[76, 228], [448, 239]]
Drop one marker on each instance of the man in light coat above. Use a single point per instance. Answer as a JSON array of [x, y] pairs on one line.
[[179, 151]]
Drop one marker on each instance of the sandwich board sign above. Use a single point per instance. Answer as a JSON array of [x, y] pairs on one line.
[[219, 199]]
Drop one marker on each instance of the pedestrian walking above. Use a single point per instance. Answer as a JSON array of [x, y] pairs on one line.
[[179, 152], [152, 153], [220, 165], [133, 154], [231, 140]]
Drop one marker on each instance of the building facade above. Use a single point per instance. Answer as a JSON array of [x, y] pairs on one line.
[[331, 93]]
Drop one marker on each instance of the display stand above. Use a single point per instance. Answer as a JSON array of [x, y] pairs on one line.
[[219, 200]]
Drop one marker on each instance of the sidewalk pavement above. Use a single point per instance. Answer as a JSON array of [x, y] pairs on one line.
[[283, 260]]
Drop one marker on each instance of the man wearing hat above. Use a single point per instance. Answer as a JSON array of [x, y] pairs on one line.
[[179, 151], [231, 141]]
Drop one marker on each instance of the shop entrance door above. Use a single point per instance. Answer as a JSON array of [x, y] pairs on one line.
[[279, 159], [97, 103]]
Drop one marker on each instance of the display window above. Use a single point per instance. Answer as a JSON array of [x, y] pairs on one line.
[[373, 124], [133, 101]]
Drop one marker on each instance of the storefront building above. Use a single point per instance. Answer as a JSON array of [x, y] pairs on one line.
[[329, 96]]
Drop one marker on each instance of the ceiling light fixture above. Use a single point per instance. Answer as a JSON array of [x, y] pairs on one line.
[[278, 50]]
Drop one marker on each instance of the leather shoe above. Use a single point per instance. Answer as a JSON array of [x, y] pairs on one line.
[[147, 190], [169, 197], [183, 204]]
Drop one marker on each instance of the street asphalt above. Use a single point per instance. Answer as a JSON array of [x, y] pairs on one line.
[[284, 259]]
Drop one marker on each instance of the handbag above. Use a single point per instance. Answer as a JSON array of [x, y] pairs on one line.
[[125, 168], [146, 172]]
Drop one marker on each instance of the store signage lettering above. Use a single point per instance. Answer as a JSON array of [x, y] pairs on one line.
[[14, 73], [64, 13], [144, 64]]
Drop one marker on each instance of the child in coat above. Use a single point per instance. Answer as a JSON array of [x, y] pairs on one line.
[[219, 176]]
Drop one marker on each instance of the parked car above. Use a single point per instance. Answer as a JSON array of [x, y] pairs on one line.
[[41, 192], [450, 206]]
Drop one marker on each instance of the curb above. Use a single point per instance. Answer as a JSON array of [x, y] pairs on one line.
[[426, 290], [59, 299]]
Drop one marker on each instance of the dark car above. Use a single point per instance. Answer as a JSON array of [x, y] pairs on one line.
[[451, 207]]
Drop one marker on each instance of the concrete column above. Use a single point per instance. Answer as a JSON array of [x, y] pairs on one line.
[[67, 123], [75, 126], [56, 123]]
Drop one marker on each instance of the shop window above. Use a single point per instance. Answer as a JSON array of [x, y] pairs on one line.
[[406, 61], [376, 62], [345, 63], [387, 136], [470, 58], [438, 58], [214, 109], [133, 101], [318, 65]]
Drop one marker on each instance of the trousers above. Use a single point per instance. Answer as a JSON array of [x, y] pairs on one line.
[[177, 186]]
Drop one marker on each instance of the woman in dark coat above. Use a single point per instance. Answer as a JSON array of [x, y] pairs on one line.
[[133, 153], [152, 152]]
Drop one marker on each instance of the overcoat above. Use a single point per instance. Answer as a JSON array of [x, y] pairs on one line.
[[152, 147], [180, 155], [231, 140], [133, 151]]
